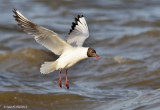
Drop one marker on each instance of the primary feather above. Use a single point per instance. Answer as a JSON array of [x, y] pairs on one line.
[[46, 37], [79, 32]]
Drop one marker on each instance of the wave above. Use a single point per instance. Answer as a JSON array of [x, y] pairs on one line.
[[25, 57]]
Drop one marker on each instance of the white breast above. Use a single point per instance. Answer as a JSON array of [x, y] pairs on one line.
[[71, 57]]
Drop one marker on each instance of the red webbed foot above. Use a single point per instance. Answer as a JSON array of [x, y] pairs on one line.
[[67, 85]]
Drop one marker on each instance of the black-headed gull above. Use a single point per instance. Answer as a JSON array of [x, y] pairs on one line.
[[70, 52]]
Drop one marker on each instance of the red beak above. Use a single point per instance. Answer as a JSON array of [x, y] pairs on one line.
[[97, 56]]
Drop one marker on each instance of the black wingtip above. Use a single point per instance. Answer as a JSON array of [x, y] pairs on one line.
[[15, 13], [79, 16], [76, 20], [75, 23], [14, 10], [14, 16]]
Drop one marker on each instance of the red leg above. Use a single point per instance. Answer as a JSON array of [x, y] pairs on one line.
[[60, 85], [66, 79]]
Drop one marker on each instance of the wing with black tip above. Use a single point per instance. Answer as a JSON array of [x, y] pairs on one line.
[[79, 31], [46, 37]]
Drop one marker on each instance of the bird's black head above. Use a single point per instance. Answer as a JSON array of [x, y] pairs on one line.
[[92, 53]]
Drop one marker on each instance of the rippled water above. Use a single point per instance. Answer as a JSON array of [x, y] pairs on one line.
[[126, 35]]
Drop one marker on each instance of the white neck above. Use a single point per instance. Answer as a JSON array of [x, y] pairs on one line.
[[82, 51]]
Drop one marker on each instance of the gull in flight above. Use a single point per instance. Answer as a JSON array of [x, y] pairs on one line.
[[70, 51]]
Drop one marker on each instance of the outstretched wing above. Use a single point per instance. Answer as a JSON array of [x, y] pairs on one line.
[[46, 37], [79, 32]]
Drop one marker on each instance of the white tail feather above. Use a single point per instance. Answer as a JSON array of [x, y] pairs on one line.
[[48, 67]]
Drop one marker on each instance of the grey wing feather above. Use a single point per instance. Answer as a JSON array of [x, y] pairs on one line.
[[79, 32], [46, 37]]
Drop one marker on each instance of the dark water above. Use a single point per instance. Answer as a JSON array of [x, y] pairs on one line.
[[125, 33]]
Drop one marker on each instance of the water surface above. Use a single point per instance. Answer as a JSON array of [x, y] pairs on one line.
[[125, 34]]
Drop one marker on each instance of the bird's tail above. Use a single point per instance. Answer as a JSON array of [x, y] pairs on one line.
[[48, 67]]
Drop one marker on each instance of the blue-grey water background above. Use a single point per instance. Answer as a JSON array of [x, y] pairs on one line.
[[125, 34]]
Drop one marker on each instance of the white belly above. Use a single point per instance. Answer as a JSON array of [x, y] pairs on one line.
[[71, 57]]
